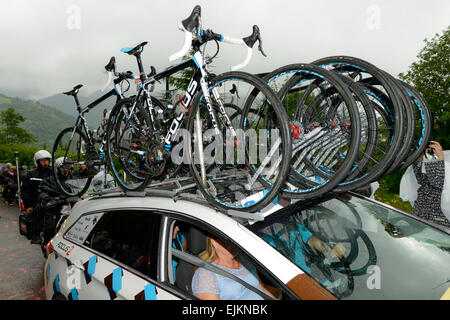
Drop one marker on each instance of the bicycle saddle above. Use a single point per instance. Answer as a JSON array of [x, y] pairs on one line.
[[74, 91], [136, 50]]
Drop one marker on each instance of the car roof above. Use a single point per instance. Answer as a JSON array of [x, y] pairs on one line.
[[182, 195]]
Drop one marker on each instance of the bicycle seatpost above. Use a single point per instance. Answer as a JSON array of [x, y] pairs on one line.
[[75, 96], [142, 74]]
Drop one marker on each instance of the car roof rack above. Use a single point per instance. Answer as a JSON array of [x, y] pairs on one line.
[[183, 188]]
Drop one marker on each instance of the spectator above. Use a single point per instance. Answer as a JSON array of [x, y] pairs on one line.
[[29, 187], [423, 185], [3, 178], [10, 192], [3, 175]]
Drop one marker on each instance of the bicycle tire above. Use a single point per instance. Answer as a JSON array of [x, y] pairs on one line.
[[268, 188], [304, 189], [346, 64], [59, 138], [409, 126], [423, 137], [116, 116]]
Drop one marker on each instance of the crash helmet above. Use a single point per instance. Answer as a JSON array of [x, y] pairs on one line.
[[41, 154], [63, 163]]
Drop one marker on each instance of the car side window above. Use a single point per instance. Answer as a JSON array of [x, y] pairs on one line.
[[127, 237], [192, 246], [81, 229]]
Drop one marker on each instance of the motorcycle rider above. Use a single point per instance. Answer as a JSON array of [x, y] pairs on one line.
[[50, 198], [29, 188]]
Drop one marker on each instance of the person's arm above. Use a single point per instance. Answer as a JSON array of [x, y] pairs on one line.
[[337, 251]]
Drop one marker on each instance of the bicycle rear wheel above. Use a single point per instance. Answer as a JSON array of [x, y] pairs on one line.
[[245, 169], [127, 145], [73, 146]]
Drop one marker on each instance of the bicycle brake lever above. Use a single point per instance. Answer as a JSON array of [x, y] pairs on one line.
[[260, 48], [255, 36]]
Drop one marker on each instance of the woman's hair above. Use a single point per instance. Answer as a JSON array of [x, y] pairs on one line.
[[209, 254]]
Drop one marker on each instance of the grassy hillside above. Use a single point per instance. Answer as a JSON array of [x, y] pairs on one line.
[[42, 121]]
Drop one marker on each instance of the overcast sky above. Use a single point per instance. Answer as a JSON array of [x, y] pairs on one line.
[[48, 46]]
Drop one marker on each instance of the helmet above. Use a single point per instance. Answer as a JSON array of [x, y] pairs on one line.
[[41, 154], [63, 161], [59, 162]]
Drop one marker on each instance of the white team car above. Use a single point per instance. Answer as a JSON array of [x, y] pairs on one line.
[[114, 246]]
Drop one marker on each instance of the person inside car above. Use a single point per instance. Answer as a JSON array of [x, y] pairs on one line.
[[207, 285], [293, 238]]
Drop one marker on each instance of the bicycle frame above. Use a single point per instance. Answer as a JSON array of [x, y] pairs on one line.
[[82, 123], [199, 81]]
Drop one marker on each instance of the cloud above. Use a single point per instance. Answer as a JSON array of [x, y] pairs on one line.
[[43, 53]]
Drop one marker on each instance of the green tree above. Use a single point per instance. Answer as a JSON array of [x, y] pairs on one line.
[[181, 79], [10, 132], [430, 76]]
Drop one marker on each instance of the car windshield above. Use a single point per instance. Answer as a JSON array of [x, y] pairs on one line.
[[359, 249]]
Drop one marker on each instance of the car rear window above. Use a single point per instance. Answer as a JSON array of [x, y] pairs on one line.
[[385, 254]]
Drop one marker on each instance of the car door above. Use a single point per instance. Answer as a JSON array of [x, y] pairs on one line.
[[118, 258], [182, 252]]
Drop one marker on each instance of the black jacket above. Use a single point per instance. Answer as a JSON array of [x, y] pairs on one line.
[[48, 189], [30, 184]]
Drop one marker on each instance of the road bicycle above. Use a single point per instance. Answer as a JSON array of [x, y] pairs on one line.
[[140, 146], [83, 153]]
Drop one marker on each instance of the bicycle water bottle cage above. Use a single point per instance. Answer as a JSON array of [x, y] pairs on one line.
[[136, 50], [192, 22], [74, 91], [111, 66]]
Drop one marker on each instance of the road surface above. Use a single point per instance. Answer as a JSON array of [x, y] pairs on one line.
[[21, 263]]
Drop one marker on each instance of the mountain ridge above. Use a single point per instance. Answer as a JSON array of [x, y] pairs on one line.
[[44, 122]]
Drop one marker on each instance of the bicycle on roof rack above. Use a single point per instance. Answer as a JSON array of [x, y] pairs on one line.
[[78, 145], [141, 147]]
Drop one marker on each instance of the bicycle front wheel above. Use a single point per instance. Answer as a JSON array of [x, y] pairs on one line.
[[239, 160], [72, 145]]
